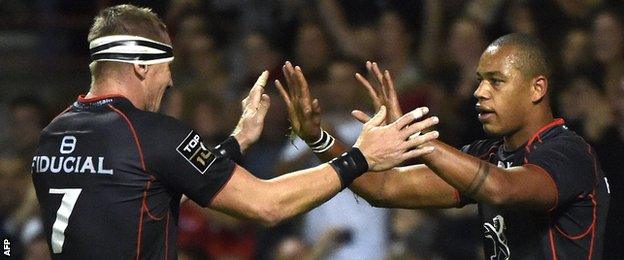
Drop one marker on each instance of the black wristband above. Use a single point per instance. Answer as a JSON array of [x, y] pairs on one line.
[[230, 148], [349, 166]]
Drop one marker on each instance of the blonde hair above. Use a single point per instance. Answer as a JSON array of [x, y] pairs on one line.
[[128, 20]]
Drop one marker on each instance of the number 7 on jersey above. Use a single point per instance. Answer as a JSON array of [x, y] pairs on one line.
[[70, 196]]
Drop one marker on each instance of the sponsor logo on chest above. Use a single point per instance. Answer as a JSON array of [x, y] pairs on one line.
[[505, 165]]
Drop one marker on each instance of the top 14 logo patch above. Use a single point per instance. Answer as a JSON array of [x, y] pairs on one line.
[[193, 150]]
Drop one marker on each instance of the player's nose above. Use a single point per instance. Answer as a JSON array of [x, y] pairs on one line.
[[481, 92]]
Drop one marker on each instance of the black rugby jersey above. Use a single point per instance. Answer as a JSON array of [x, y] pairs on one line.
[[109, 178], [574, 227]]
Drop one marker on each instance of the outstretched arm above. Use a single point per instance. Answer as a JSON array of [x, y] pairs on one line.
[[411, 187], [405, 187], [524, 186], [379, 147], [520, 187]]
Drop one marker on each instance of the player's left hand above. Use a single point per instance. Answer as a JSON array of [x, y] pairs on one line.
[[255, 107], [303, 110], [381, 91]]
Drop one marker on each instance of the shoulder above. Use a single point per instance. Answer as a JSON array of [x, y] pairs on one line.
[[563, 142], [152, 124], [563, 152], [154, 130]]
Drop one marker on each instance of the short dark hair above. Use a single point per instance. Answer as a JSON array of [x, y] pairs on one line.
[[127, 19], [531, 53]]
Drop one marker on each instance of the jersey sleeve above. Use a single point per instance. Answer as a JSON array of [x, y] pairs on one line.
[[463, 199], [570, 165], [178, 157]]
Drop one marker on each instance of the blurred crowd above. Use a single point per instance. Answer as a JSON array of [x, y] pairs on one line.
[[430, 47]]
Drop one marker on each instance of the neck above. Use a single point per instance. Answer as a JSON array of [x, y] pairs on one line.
[[520, 137], [114, 86]]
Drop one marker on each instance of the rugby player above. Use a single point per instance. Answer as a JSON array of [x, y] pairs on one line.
[[539, 188], [109, 171]]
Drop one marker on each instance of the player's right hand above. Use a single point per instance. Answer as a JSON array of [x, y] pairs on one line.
[[255, 107], [386, 146]]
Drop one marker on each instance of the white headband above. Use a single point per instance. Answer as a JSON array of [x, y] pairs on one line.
[[130, 49]]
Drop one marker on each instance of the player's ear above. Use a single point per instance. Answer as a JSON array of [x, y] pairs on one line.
[[539, 88], [140, 70]]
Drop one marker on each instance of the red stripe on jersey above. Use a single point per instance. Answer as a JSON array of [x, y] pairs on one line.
[[60, 114], [134, 135], [140, 229], [588, 229], [138, 145], [551, 239], [554, 123], [594, 202], [591, 243], [145, 207]]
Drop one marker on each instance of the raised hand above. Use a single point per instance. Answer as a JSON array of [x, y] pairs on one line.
[[303, 110], [386, 146], [382, 91], [255, 107]]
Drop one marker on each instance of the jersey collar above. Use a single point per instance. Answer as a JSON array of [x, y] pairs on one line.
[[98, 101], [82, 99], [540, 133]]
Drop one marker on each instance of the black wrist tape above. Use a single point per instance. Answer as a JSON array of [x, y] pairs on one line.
[[230, 148], [349, 166]]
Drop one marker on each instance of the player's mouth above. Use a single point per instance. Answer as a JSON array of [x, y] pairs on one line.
[[484, 113]]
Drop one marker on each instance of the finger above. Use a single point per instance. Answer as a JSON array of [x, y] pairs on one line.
[[262, 80], [389, 85], [316, 106], [391, 99], [366, 84], [371, 91], [304, 90], [360, 116], [292, 84], [410, 117], [421, 139], [282, 92], [378, 119], [417, 152], [263, 108], [286, 75], [378, 76], [376, 71], [419, 126], [256, 91], [420, 112], [369, 68]]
